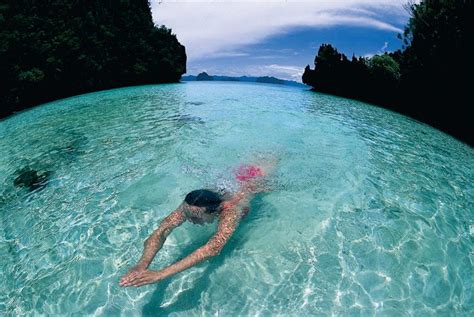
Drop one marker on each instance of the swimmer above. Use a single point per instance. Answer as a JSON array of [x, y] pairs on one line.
[[199, 207]]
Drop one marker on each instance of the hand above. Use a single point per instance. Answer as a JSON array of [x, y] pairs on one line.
[[142, 278], [131, 274]]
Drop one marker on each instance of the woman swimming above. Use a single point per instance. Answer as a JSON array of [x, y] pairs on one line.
[[201, 206]]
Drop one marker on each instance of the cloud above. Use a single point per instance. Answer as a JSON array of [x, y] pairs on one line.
[[217, 28], [379, 52], [268, 57], [287, 72], [228, 54]]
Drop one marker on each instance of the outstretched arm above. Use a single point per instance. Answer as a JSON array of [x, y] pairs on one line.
[[153, 244], [228, 223]]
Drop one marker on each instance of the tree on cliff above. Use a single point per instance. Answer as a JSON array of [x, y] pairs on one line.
[[427, 80], [58, 48], [436, 66]]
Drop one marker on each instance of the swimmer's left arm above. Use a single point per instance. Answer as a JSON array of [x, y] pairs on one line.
[[228, 223]]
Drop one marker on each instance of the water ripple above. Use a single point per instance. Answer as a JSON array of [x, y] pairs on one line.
[[370, 212]]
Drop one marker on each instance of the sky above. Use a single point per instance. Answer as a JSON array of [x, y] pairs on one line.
[[278, 37]]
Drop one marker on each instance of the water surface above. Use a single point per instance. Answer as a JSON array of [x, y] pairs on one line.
[[370, 212]]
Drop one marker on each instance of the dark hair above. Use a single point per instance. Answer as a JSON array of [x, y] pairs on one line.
[[204, 198]]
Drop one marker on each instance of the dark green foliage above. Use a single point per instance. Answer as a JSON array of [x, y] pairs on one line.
[[374, 80], [51, 49], [428, 80], [436, 65]]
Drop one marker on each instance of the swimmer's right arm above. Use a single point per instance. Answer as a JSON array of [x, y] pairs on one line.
[[154, 243]]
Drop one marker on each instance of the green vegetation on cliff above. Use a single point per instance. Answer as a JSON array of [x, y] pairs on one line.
[[50, 49], [427, 80]]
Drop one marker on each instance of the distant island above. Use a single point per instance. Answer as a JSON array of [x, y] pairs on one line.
[[427, 80], [262, 79], [55, 49]]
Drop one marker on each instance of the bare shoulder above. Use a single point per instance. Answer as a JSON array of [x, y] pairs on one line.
[[228, 222], [229, 213]]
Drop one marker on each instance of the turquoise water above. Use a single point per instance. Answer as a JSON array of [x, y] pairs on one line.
[[370, 213]]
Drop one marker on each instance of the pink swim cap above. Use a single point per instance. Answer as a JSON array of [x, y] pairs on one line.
[[246, 172]]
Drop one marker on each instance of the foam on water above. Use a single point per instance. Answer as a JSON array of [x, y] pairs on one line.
[[370, 212]]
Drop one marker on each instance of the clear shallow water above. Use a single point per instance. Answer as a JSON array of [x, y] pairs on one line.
[[370, 213]]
